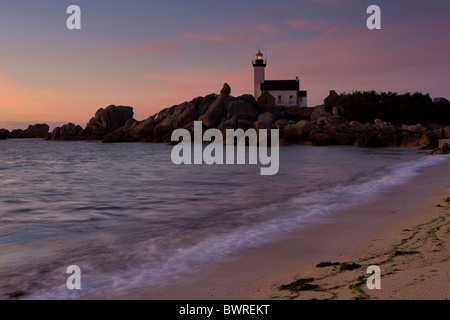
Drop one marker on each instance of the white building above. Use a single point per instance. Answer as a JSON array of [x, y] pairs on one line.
[[285, 93]]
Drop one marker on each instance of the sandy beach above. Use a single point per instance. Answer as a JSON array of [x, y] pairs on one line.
[[404, 231], [413, 256]]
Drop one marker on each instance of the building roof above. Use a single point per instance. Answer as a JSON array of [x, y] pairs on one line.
[[331, 98], [303, 93], [270, 85]]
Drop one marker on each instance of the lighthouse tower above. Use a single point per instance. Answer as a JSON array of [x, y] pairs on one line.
[[259, 65]]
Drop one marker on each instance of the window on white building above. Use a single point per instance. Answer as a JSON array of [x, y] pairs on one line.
[[279, 99], [291, 99]]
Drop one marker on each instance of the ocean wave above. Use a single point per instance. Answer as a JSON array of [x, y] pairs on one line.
[[265, 225]]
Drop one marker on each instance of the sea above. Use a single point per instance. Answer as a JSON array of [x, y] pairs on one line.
[[132, 221]]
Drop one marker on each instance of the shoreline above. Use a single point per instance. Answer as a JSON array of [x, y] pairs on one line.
[[348, 236], [412, 255]]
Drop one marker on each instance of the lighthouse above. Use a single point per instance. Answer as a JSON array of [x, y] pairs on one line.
[[276, 93], [259, 66]]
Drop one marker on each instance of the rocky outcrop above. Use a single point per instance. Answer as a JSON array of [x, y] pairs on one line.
[[32, 132], [358, 127], [381, 134], [35, 131], [245, 124], [215, 113], [226, 89], [293, 132], [123, 133], [113, 121], [336, 130], [243, 109], [15, 134], [4, 134], [66, 132], [445, 149], [408, 139], [223, 111], [429, 140], [247, 98], [281, 124], [440, 100], [446, 133], [144, 130], [305, 127], [415, 128], [385, 128], [168, 120], [319, 112], [336, 111], [210, 109], [333, 130], [265, 121], [373, 139], [107, 121]]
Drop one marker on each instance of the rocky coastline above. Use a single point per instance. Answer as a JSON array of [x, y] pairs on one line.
[[311, 126]]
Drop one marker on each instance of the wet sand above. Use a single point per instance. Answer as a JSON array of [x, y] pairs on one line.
[[403, 231]]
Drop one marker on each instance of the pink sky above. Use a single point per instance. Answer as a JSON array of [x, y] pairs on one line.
[[48, 73]]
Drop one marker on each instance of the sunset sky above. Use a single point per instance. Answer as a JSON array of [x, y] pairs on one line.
[[154, 54]]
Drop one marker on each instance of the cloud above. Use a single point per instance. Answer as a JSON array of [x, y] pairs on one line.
[[308, 24], [268, 29], [162, 47], [243, 32], [175, 86], [408, 56], [335, 3], [214, 37], [26, 103], [16, 100], [332, 30]]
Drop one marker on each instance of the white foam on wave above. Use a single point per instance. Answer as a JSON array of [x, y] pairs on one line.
[[301, 211]]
